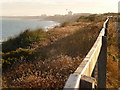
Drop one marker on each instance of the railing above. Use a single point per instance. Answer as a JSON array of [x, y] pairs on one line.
[[94, 62]]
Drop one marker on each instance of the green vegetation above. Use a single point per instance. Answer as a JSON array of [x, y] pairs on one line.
[[16, 50], [24, 40], [19, 55]]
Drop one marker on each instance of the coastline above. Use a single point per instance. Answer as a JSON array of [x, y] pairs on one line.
[[47, 24]]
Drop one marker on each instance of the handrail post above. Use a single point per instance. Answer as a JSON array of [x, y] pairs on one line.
[[102, 61], [87, 82]]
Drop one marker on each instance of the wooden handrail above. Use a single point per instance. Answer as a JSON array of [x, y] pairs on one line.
[[88, 64]]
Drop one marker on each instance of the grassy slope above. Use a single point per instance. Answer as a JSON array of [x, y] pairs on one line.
[[62, 51], [60, 54]]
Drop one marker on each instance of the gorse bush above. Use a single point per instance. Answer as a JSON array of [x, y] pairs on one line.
[[20, 55], [15, 49], [24, 40]]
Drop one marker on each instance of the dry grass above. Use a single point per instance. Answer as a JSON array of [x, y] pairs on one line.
[[76, 43], [112, 63], [60, 32], [51, 73], [63, 50]]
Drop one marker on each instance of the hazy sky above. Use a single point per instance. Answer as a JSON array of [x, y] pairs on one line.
[[50, 7]]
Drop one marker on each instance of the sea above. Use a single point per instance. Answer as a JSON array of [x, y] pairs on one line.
[[11, 27]]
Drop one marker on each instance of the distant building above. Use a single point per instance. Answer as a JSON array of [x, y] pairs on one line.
[[70, 13]]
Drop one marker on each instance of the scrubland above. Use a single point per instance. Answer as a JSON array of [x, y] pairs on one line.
[[46, 59]]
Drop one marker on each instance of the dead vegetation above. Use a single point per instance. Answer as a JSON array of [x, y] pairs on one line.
[[60, 54], [112, 58]]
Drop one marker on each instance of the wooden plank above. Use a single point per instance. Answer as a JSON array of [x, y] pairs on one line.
[[102, 32], [87, 65], [73, 81]]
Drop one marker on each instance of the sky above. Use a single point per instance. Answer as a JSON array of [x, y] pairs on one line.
[[51, 7]]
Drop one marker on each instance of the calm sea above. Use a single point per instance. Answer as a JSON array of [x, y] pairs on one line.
[[12, 27]]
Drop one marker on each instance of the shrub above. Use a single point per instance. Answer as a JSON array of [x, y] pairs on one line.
[[24, 40], [20, 55], [64, 24]]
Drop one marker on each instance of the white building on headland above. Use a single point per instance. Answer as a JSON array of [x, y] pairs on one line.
[[70, 13]]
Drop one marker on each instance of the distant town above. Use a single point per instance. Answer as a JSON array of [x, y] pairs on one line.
[[70, 16]]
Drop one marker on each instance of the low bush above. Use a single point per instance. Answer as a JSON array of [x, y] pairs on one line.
[[64, 24], [18, 56], [51, 73], [24, 40]]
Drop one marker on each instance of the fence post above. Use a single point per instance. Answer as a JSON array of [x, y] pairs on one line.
[[102, 61], [87, 82]]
